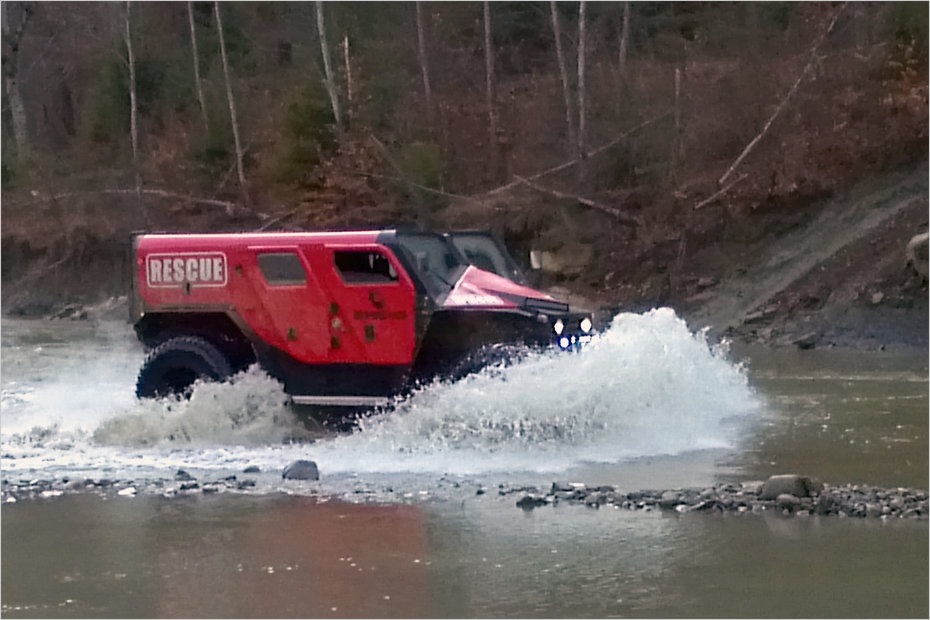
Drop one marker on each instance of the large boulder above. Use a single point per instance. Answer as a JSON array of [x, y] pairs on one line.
[[790, 484], [301, 470]]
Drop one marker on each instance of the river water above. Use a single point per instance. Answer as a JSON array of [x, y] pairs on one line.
[[410, 517]]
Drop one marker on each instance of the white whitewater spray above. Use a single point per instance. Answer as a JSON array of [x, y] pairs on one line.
[[249, 409], [646, 386]]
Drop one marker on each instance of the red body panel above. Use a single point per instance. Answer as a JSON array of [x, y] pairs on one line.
[[322, 320], [482, 289]]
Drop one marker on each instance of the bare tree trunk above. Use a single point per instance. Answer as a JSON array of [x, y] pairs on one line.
[[424, 65], [243, 186], [489, 83], [328, 68], [624, 40], [676, 139], [582, 116], [563, 74], [350, 94], [198, 83], [133, 104], [134, 111], [11, 73]]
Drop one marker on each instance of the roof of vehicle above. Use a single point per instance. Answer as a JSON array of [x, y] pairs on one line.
[[177, 241]]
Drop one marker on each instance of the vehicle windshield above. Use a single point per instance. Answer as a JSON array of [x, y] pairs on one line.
[[483, 251], [436, 260]]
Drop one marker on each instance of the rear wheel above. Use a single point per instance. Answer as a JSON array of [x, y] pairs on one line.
[[173, 366]]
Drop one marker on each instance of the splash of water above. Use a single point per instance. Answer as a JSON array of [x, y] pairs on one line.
[[249, 409], [646, 386]]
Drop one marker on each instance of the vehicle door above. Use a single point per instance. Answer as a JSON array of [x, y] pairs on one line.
[[371, 305], [292, 309]]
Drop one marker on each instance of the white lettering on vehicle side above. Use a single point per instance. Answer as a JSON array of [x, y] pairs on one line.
[[199, 269]]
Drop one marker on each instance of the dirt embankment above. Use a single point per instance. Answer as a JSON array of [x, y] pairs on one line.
[[839, 279], [835, 277]]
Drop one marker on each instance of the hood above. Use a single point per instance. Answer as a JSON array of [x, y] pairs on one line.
[[482, 289]]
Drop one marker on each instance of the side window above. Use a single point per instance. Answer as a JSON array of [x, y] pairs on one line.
[[282, 268], [364, 267]]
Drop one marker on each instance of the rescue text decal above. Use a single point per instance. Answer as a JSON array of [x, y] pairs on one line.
[[194, 268]]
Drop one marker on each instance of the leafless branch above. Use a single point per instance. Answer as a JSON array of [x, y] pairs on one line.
[[573, 162], [720, 192], [616, 213], [160, 193], [400, 179], [810, 62]]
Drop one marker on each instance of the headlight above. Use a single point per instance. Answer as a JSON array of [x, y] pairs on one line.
[[563, 342], [559, 327], [585, 325]]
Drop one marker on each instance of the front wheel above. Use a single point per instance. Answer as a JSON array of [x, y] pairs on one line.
[[173, 366]]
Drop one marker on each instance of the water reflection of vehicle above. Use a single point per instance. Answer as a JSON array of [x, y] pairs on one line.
[[294, 557], [320, 310]]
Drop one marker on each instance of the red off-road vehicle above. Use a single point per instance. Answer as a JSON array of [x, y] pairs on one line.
[[340, 318]]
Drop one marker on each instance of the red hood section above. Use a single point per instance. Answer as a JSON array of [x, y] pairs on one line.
[[479, 288]]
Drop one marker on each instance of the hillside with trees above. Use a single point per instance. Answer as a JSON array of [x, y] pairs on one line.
[[644, 147]]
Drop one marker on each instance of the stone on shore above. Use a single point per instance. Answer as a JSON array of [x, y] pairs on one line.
[[790, 484], [788, 501], [301, 470]]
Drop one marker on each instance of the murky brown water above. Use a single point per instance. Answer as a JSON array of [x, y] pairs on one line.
[[432, 547], [293, 557]]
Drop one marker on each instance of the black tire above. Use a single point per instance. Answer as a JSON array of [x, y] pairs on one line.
[[489, 355], [173, 366]]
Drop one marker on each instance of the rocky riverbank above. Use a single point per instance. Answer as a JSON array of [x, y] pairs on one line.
[[789, 495]]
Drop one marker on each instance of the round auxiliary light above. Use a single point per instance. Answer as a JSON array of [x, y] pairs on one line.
[[559, 327], [585, 325], [563, 342]]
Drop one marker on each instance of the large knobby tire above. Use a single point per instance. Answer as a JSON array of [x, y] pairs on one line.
[[173, 366], [503, 355]]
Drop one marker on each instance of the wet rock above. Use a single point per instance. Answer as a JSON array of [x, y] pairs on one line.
[[669, 499], [790, 484], [806, 341], [787, 501], [873, 510], [251, 469], [77, 485], [528, 502], [758, 315], [301, 470], [183, 476]]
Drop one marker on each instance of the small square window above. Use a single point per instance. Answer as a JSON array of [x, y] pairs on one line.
[[282, 268], [364, 267]]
